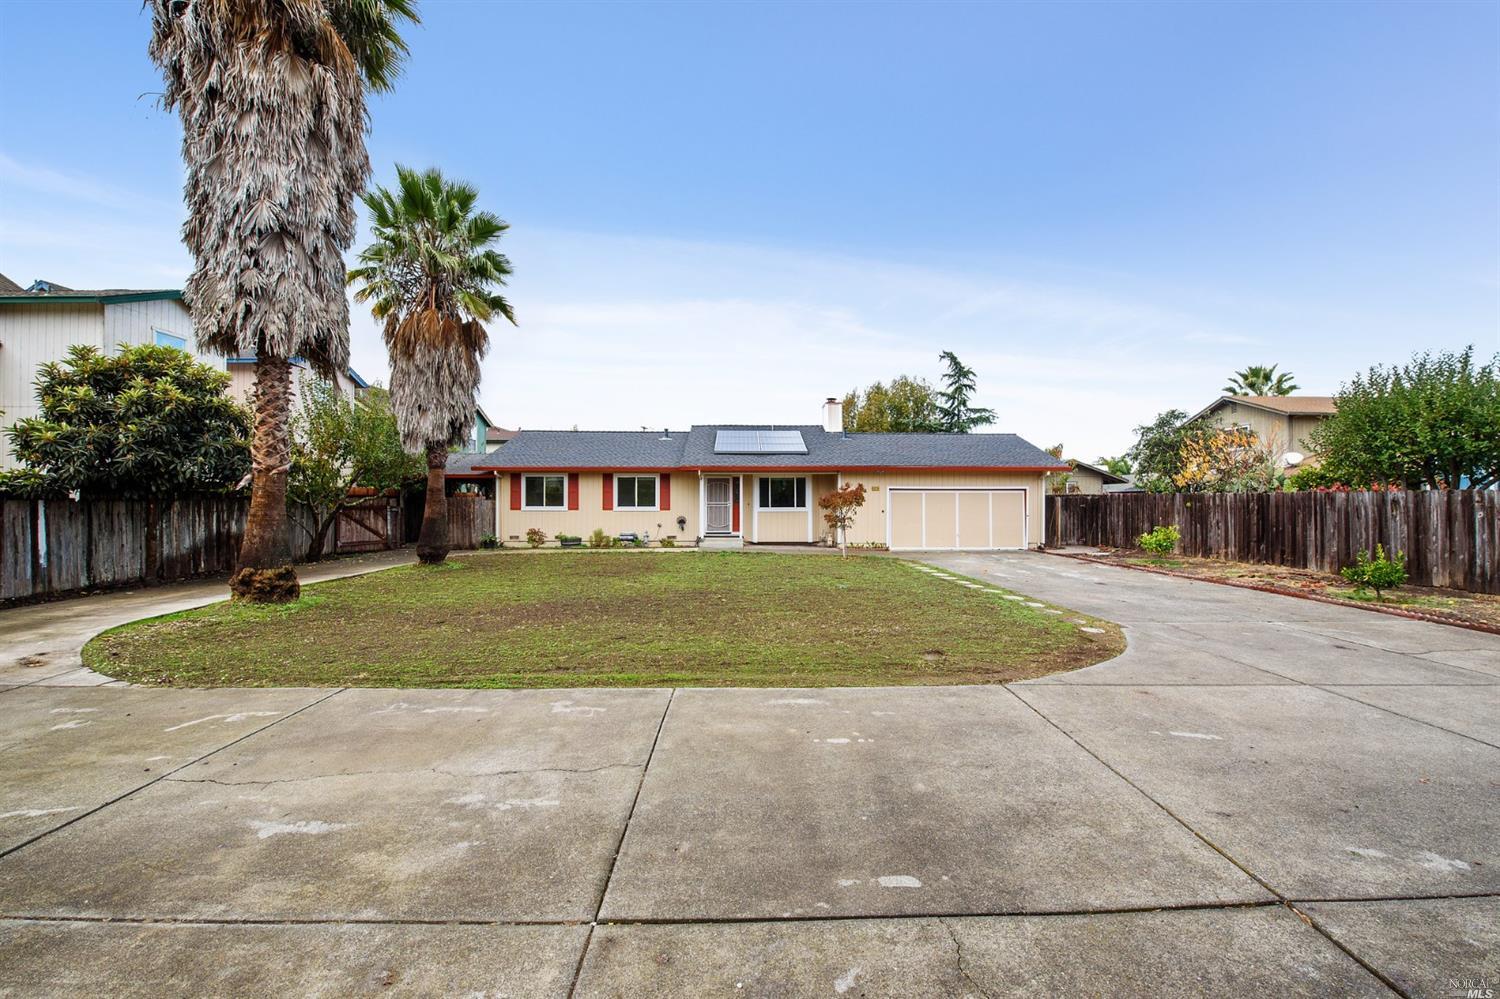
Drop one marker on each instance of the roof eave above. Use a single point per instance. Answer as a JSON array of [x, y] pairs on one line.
[[69, 298], [710, 469]]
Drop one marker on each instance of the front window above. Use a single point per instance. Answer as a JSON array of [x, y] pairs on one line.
[[635, 492], [783, 494], [544, 492]]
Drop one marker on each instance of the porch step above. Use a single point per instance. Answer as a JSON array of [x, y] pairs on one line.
[[721, 542]]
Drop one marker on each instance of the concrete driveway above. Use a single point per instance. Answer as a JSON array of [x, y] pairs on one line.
[[1262, 796]]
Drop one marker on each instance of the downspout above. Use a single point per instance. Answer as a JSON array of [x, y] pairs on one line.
[[497, 506]]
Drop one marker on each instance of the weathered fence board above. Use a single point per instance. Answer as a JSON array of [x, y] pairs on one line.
[[470, 517], [1449, 538]]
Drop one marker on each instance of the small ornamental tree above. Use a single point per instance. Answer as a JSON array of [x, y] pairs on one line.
[[147, 422], [1233, 460], [339, 444], [839, 508], [1160, 541], [1379, 573]]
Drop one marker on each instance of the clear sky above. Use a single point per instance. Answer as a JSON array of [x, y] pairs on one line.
[[726, 212]]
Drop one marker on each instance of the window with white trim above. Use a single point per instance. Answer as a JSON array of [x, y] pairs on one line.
[[544, 492], [635, 492], [783, 493], [165, 339]]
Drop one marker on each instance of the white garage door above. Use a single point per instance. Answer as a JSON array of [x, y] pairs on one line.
[[956, 518]]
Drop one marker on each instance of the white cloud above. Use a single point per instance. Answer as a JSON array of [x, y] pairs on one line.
[[622, 332]]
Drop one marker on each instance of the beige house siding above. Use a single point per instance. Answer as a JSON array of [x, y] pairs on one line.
[[242, 383], [1013, 520], [591, 513], [1085, 481], [1279, 432], [1302, 426]]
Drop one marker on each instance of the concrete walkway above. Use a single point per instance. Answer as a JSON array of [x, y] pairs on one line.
[[41, 643], [1262, 796]]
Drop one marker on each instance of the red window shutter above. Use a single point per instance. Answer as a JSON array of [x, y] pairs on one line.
[[609, 490], [572, 490], [515, 490], [735, 506], [666, 491]]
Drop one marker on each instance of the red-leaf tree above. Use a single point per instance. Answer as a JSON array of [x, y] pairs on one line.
[[839, 508]]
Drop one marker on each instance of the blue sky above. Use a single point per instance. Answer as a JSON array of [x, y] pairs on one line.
[[725, 212]]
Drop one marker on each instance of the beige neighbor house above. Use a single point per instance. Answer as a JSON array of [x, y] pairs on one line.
[[242, 380], [1281, 422], [1090, 480], [728, 486]]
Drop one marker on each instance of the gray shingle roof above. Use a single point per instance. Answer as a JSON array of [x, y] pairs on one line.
[[564, 449]]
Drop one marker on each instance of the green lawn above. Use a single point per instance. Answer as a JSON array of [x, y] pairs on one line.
[[613, 619]]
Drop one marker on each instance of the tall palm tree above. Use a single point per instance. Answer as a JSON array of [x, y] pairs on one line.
[[1258, 379], [431, 276], [271, 94]]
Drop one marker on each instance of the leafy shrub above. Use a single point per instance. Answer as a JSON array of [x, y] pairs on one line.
[[668, 542], [489, 541], [1160, 541], [601, 540], [1313, 477], [1378, 573], [536, 537]]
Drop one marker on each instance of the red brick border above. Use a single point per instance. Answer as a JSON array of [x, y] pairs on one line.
[[1286, 591]]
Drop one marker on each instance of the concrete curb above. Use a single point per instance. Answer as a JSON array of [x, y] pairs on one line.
[[1287, 591]]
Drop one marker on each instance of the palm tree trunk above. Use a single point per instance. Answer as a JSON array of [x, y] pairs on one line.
[[432, 543], [264, 573]]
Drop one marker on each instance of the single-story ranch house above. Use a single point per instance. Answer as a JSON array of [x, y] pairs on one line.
[[734, 485]]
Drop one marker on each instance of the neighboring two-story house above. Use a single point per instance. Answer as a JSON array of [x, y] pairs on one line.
[[1281, 422], [38, 323]]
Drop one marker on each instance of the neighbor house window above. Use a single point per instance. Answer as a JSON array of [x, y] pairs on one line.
[[635, 492], [165, 339], [783, 494], [544, 492]]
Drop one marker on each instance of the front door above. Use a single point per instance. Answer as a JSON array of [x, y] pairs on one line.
[[720, 499]]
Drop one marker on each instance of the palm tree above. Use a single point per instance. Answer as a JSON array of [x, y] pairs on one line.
[[1258, 379], [430, 276], [271, 94]]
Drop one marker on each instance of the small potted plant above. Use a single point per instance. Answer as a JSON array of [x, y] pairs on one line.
[[569, 541]]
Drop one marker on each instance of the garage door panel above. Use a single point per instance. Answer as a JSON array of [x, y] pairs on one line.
[[966, 518], [942, 519], [1009, 519], [974, 520], [906, 520]]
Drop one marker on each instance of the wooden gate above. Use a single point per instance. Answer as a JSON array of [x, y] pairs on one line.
[[364, 527]]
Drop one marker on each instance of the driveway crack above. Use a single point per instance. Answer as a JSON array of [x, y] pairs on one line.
[[958, 955]]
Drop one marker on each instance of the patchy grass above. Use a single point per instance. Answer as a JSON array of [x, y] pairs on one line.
[[613, 619]]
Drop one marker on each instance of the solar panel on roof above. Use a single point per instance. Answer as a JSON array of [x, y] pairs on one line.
[[759, 442]]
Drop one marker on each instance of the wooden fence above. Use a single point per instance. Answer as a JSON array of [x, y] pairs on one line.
[[58, 546], [1449, 538], [470, 518]]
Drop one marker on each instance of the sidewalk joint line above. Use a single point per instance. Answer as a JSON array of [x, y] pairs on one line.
[[609, 875]]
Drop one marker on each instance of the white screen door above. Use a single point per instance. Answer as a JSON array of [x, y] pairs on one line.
[[720, 505]]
